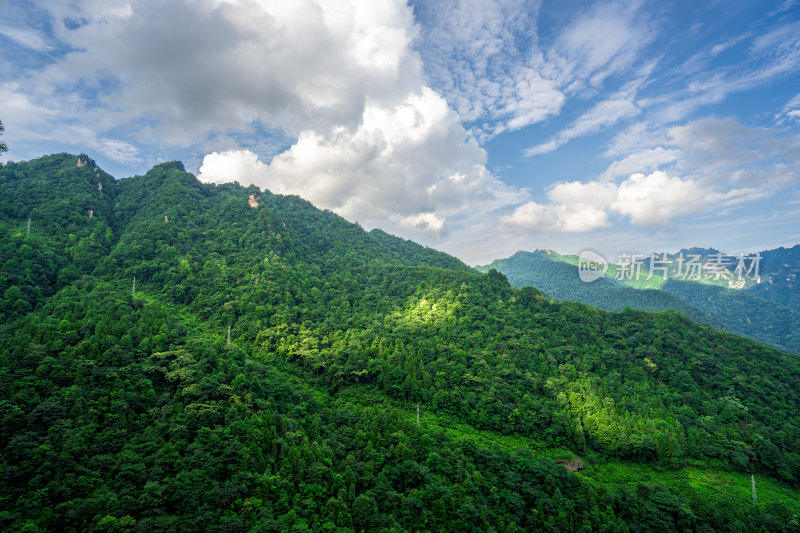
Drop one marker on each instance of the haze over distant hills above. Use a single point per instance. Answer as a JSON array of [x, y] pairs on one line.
[[764, 307]]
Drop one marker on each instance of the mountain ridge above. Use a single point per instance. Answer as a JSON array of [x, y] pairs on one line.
[[263, 373], [741, 311]]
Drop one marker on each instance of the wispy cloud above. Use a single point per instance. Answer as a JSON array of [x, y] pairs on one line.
[[603, 114], [26, 37], [792, 104], [484, 58], [770, 57], [721, 47], [785, 6], [604, 41]]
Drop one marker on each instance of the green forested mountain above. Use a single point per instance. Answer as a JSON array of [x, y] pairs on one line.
[[265, 371], [779, 271], [756, 311], [557, 277], [742, 312]]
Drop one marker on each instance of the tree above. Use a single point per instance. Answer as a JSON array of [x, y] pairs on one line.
[[365, 512], [3, 147]]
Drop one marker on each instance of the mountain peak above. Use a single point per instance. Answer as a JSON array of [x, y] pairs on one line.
[[170, 165]]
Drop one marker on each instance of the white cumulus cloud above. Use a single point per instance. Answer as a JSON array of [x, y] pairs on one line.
[[646, 200], [411, 163], [657, 198], [555, 218], [340, 80]]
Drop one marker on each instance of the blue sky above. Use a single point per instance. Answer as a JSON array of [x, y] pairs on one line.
[[477, 127]]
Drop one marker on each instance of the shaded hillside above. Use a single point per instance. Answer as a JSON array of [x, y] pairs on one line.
[[743, 313], [780, 270], [739, 311], [550, 273]]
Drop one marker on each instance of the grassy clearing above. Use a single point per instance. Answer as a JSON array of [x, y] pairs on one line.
[[700, 486]]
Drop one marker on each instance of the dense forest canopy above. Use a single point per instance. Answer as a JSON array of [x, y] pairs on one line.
[[767, 311], [127, 405]]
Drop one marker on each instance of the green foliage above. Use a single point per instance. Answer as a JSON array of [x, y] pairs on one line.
[[758, 311], [129, 411], [557, 277], [3, 146], [779, 270], [743, 312]]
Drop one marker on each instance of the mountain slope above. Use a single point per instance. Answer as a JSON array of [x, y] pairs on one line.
[[743, 313], [129, 409], [555, 277], [779, 270], [740, 311]]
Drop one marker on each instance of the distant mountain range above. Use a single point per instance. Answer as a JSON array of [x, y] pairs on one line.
[[761, 301]]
